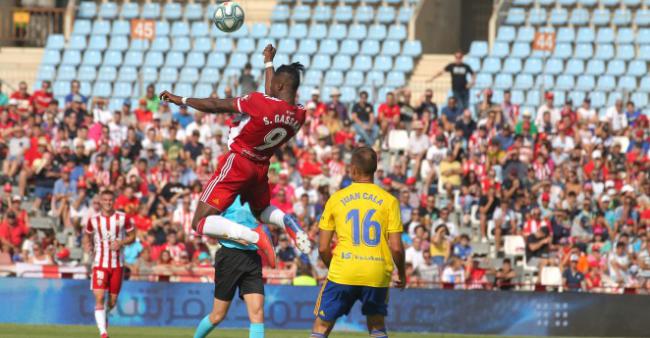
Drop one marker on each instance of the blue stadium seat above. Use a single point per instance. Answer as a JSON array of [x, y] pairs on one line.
[[404, 64], [81, 27], [595, 67], [328, 47], [512, 66], [127, 74], [616, 67], [259, 30], [348, 94], [587, 3], [337, 31], [364, 14], [298, 31], [246, 45], [216, 60], [545, 81], [564, 82], [77, 42], [61, 88], [322, 14], [533, 66], [377, 32], [605, 35], [357, 32], [55, 42], [362, 63], [51, 58], [202, 90], [321, 62], [610, 3], [224, 45], [87, 10], [174, 59], [579, 17], [349, 47], [574, 67], [559, 16], [313, 77], [500, 49], [262, 43], [585, 83], [601, 17], [101, 28], [622, 17], [130, 10], [624, 35], [644, 86], [597, 99], [203, 44], [172, 11], [385, 15], [522, 2], [151, 10], [108, 10], [333, 78], [280, 13], [195, 59], [631, 3], [506, 34], [525, 34], [503, 81], [375, 78], [627, 83], [606, 83], [520, 50], [238, 61], [395, 78], [583, 51], [304, 59], [563, 51], [123, 90], [113, 58], [107, 73], [307, 46], [391, 48], [153, 59], [483, 81], [640, 99], [404, 15], [168, 74], [280, 30], [102, 89], [194, 11], [491, 65], [478, 49], [383, 63], [161, 44], [183, 89], [516, 16], [343, 14], [288, 45], [317, 31], [199, 29], [301, 13], [472, 62], [412, 48], [537, 16], [576, 97], [66, 73], [545, 3], [209, 75], [566, 35], [625, 52], [92, 58], [523, 82], [46, 72], [257, 61], [533, 98], [604, 52], [644, 53], [180, 28], [642, 17], [87, 73], [397, 32], [370, 47], [637, 68], [554, 66], [121, 27]]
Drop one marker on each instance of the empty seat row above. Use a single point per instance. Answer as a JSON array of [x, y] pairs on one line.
[[342, 14], [583, 3], [562, 82], [578, 16], [553, 66], [582, 35], [565, 51]]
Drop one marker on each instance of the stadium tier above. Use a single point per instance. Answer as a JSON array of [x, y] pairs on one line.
[[360, 45], [601, 53]]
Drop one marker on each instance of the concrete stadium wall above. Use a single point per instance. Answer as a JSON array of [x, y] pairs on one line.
[[55, 301]]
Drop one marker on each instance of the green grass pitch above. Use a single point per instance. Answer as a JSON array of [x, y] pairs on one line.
[[60, 331]]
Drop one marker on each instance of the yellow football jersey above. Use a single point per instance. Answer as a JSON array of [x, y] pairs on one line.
[[362, 215]]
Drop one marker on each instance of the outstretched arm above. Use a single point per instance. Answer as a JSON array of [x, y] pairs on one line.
[[208, 105], [269, 71]]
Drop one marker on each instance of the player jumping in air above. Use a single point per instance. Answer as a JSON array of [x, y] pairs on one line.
[[265, 122], [367, 223], [109, 232]]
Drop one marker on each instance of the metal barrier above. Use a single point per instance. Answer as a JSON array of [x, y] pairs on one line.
[[30, 26]]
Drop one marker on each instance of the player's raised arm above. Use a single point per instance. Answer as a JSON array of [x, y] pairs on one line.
[[269, 70], [208, 105]]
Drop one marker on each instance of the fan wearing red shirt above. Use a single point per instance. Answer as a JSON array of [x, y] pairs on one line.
[[12, 230], [21, 98], [310, 166], [41, 98], [175, 248], [388, 113], [282, 201], [264, 122], [127, 201], [143, 115], [345, 134], [142, 220]]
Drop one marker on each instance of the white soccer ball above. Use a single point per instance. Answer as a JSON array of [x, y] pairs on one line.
[[228, 17]]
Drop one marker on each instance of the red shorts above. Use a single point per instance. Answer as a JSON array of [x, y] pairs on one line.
[[107, 279], [238, 175]]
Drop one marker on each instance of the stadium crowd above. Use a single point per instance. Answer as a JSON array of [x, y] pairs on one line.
[[572, 183]]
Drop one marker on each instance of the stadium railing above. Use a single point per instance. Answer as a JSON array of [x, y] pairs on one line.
[[30, 26]]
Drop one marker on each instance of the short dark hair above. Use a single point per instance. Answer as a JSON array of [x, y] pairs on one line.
[[292, 72], [108, 192], [364, 159]]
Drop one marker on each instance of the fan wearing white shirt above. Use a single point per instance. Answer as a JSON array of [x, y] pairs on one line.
[[586, 114], [101, 113], [117, 129], [547, 107], [616, 117], [198, 124]]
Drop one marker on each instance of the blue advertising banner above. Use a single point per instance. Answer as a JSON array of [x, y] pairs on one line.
[[54, 301]]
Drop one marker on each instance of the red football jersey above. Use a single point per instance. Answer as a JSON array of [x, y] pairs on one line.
[[265, 124]]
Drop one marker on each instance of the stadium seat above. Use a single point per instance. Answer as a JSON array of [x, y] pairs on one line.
[[537, 16], [317, 31], [491, 65], [123, 90], [533, 98], [195, 59], [362, 63], [579, 17], [525, 34], [133, 58], [337, 31], [627, 83], [108, 10], [150, 10], [202, 90], [642, 17], [321, 62], [533, 66], [130, 10], [121, 27], [280, 30], [343, 14], [545, 81], [551, 276], [153, 59], [565, 35], [622, 17], [180, 28], [605, 35], [631, 3], [259, 30], [522, 2], [396, 78], [483, 81], [644, 53], [127, 74], [55, 42], [503, 81], [202, 44], [516, 16], [583, 51], [615, 68], [600, 17], [585, 83], [81, 27], [404, 64], [101, 28], [553, 66], [199, 29], [216, 60], [391, 48], [562, 51], [597, 99], [87, 10], [472, 62], [87, 73], [307, 46], [46, 72], [500, 50], [280, 13], [350, 47], [102, 89], [564, 82], [168, 74], [478, 49], [51, 57], [288, 45], [172, 11], [92, 58], [313, 77], [385, 15], [604, 52], [209, 75], [377, 32], [113, 58], [183, 89], [644, 86], [412, 48], [625, 35], [512, 66], [397, 32], [161, 44], [174, 59], [304, 59], [640, 99], [162, 28], [558, 16], [383, 63], [194, 11], [523, 82], [246, 45], [370, 47], [576, 97], [574, 67], [333, 78], [237, 61], [364, 15], [301, 13], [107, 74], [637, 68], [506, 34], [625, 52], [328, 47], [66, 73], [322, 14], [404, 15], [520, 50], [375, 78], [595, 67], [357, 32], [224, 45], [61, 88]]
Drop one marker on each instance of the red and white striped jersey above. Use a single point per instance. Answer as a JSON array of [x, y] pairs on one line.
[[106, 229]]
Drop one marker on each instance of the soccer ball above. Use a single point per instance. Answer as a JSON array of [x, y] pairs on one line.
[[228, 17]]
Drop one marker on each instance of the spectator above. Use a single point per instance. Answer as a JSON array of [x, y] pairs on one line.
[[173, 247], [407, 111], [428, 273], [319, 106], [21, 99], [538, 246], [337, 106], [454, 273], [617, 118], [504, 277], [247, 81], [459, 84], [4, 99], [75, 96], [41, 257], [388, 113], [428, 107], [41, 98], [12, 231], [450, 113], [363, 118], [618, 264], [440, 247], [572, 278], [152, 99], [286, 252], [553, 116], [304, 276]]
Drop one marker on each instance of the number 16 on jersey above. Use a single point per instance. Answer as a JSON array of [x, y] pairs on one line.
[[368, 231]]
